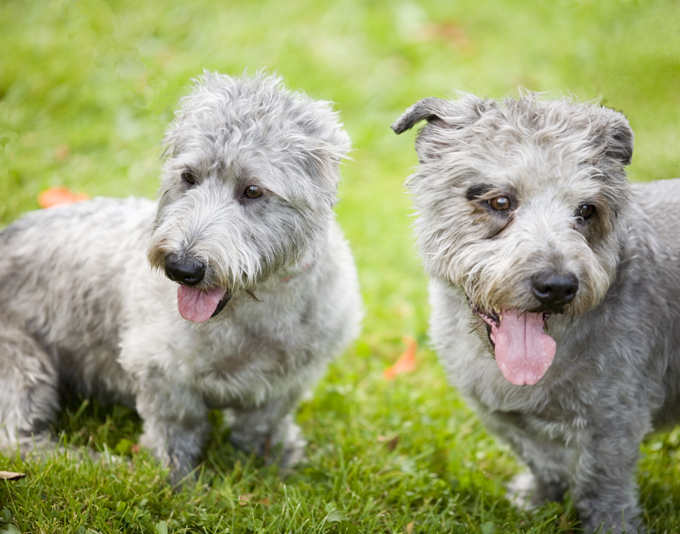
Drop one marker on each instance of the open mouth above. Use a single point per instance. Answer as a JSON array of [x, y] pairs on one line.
[[199, 305], [522, 349]]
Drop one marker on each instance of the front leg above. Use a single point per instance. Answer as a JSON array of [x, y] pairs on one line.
[[268, 430], [603, 486], [175, 426], [548, 461]]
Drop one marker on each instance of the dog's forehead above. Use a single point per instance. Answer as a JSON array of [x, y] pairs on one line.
[[559, 130], [232, 115], [236, 143], [208, 140], [510, 164], [535, 170], [231, 131], [526, 158], [258, 108]]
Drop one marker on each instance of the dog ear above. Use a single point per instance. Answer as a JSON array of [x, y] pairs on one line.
[[443, 117], [451, 114], [432, 109], [619, 137]]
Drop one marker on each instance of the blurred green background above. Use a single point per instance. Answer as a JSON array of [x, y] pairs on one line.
[[86, 90]]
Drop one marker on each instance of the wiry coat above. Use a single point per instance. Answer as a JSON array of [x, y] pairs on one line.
[[615, 375], [80, 304]]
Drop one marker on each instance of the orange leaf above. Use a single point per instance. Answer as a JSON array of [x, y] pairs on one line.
[[54, 196], [62, 152], [245, 499], [406, 362], [450, 32]]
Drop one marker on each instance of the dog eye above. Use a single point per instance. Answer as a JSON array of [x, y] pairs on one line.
[[585, 211], [499, 203], [252, 191], [189, 178]]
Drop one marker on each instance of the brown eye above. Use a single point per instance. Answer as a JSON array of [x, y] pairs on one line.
[[585, 211], [189, 178], [499, 203], [252, 191]]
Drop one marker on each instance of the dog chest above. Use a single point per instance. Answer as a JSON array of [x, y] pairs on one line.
[[234, 373]]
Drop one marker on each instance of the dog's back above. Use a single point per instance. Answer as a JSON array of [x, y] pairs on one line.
[[659, 201], [54, 288]]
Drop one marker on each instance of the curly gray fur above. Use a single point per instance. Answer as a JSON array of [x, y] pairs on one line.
[[80, 304], [616, 373]]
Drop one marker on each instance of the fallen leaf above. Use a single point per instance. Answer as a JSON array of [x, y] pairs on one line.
[[391, 443], [9, 475], [54, 196], [450, 32], [409, 528], [62, 152], [248, 499], [406, 362], [245, 499]]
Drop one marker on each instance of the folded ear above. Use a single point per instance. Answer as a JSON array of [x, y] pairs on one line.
[[432, 109], [619, 137], [445, 118], [452, 114]]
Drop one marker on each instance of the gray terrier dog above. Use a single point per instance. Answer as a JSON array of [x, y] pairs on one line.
[[554, 288], [233, 291]]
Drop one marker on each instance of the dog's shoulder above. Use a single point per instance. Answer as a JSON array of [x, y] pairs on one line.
[[657, 202], [658, 191]]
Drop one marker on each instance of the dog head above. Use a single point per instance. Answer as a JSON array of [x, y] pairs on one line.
[[249, 182], [521, 203]]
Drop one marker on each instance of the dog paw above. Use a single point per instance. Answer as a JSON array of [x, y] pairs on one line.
[[600, 518], [520, 491], [284, 446], [524, 491], [292, 447]]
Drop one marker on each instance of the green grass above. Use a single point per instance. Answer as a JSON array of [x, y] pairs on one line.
[[86, 89]]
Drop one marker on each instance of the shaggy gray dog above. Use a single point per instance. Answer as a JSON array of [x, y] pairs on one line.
[[234, 290], [554, 288]]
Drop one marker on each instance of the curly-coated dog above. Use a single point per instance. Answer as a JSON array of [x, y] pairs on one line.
[[233, 290], [555, 287]]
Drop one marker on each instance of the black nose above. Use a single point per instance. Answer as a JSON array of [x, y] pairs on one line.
[[555, 289], [188, 271]]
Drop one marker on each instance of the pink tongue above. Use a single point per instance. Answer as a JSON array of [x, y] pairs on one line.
[[523, 351], [196, 305]]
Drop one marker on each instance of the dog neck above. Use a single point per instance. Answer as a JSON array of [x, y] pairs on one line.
[[306, 266]]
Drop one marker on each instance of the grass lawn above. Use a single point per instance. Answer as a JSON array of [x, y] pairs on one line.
[[86, 89]]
